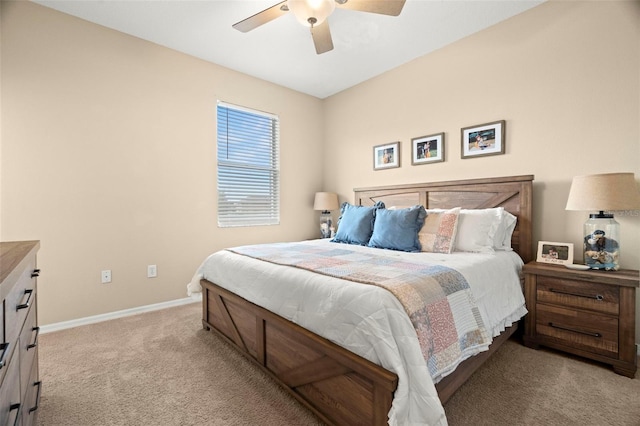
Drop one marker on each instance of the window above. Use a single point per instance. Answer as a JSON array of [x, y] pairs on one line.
[[248, 167]]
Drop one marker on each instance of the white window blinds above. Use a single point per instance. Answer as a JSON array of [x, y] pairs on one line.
[[248, 167]]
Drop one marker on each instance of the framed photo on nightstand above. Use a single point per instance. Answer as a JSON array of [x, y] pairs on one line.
[[553, 252]]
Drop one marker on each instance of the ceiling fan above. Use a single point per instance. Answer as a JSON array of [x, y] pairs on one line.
[[314, 14]]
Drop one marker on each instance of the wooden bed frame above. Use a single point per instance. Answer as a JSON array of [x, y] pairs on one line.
[[337, 385]]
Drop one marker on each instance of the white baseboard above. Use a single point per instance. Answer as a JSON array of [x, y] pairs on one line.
[[119, 314]]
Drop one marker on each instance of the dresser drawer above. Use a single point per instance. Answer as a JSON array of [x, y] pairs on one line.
[[579, 294], [10, 392], [579, 329], [31, 405], [5, 353], [18, 281], [2, 336], [19, 301], [28, 346], [5, 347]]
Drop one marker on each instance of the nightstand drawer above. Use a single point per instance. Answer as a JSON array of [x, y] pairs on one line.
[[579, 294], [587, 313], [579, 329]]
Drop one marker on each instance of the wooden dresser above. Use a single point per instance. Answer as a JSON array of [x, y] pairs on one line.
[[19, 382], [587, 313]]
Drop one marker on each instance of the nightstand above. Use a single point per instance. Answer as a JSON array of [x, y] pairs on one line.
[[587, 313]]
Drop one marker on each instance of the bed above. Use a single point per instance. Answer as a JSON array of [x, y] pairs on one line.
[[333, 372]]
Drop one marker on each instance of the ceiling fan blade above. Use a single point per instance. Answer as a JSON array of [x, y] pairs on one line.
[[384, 7], [322, 37], [262, 17]]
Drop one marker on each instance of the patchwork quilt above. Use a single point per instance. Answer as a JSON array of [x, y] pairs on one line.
[[436, 298]]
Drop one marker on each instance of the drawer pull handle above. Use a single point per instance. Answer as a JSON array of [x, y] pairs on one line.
[[26, 304], [588, 333], [598, 297], [5, 351], [35, 273], [35, 407], [35, 341], [15, 407]]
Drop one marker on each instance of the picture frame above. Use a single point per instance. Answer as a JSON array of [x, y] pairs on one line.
[[427, 149], [386, 156], [555, 252], [483, 139]]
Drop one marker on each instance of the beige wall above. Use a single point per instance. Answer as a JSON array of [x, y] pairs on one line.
[[108, 141], [565, 76], [109, 159], [1, 123]]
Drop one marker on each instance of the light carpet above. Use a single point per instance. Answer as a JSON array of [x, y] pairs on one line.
[[162, 368]]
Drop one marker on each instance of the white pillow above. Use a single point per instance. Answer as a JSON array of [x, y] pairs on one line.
[[477, 229], [502, 239]]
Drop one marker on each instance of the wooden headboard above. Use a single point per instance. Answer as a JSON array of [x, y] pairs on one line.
[[514, 193]]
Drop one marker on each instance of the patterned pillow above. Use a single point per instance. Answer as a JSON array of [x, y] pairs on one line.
[[438, 234]]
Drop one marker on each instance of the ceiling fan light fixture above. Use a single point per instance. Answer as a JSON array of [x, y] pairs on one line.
[[311, 12]]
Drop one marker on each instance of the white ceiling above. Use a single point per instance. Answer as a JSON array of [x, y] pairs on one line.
[[281, 51]]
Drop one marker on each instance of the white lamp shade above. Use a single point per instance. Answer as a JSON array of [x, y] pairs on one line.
[[325, 201], [610, 191], [305, 9]]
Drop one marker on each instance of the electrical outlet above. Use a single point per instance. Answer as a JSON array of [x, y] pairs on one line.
[[152, 271], [106, 276]]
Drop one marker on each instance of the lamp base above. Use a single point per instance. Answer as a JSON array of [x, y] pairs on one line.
[[326, 224], [601, 246]]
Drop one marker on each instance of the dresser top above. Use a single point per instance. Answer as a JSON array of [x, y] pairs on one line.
[[12, 254]]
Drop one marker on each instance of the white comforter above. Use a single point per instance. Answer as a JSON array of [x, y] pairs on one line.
[[369, 320]]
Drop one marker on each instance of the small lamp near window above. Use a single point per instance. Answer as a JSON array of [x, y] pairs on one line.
[[325, 202], [603, 192]]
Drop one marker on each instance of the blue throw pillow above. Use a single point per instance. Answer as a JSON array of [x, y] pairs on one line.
[[356, 224], [398, 229]]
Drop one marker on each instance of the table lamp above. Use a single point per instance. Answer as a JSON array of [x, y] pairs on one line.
[[325, 201], [603, 192]]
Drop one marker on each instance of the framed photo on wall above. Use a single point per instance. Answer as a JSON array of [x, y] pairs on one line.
[[386, 156], [427, 149], [483, 139], [553, 252]]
